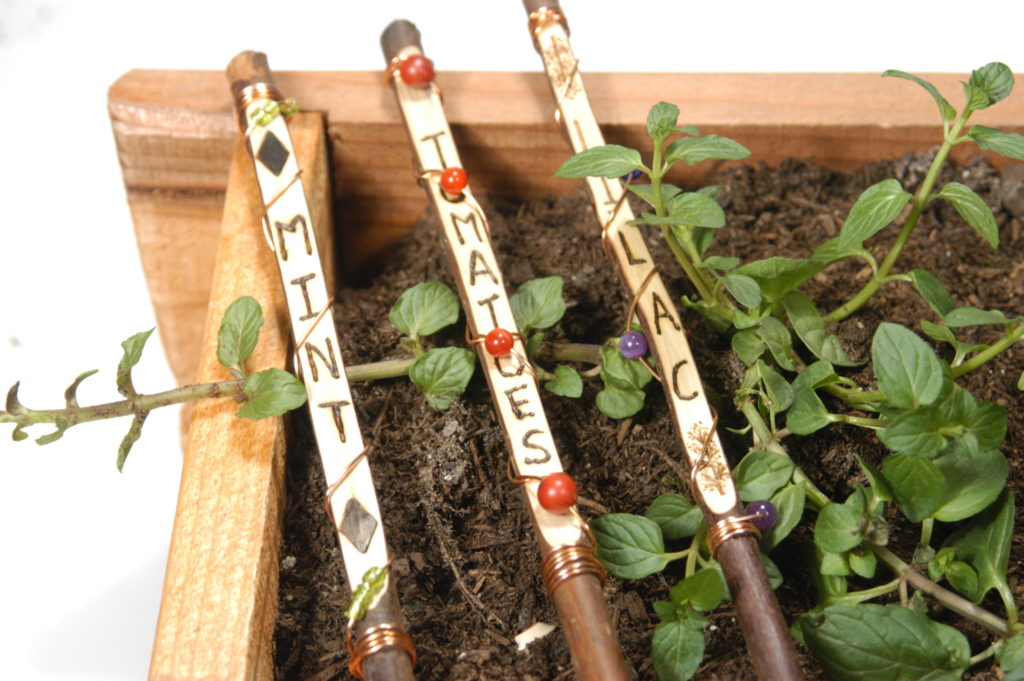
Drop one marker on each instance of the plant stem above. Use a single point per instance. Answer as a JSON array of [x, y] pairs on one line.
[[855, 597], [570, 352], [919, 201], [1012, 336], [862, 421], [390, 368], [984, 655], [947, 598], [927, 525]]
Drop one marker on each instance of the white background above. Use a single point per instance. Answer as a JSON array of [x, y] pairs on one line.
[[83, 547]]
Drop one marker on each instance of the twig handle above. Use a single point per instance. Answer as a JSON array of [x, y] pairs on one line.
[[537, 5], [399, 35]]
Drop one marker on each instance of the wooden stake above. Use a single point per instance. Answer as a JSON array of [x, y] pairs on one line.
[[771, 648], [288, 228], [576, 588]]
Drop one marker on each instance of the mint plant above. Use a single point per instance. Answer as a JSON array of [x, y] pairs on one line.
[[943, 462]]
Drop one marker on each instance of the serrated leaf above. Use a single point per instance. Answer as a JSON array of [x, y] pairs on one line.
[[810, 328], [917, 432], [879, 486], [661, 121], [874, 210], [538, 303], [778, 393], [973, 481], [789, 506], [1010, 145], [130, 438], [994, 80], [645, 193], [442, 374], [807, 414], [780, 344], [622, 373], [676, 650], [71, 393], [629, 546], [271, 392], [1010, 656], [748, 346], [424, 309], [973, 209], [619, 403], [744, 289], [677, 516], [838, 528], [761, 473], [946, 110], [963, 578], [567, 382], [696, 209], [721, 263], [777, 276], [869, 642], [972, 316], [609, 160], [863, 563], [703, 590], [239, 332], [693, 150], [932, 290], [835, 249], [908, 372], [834, 564], [133, 347], [918, 485], [984, 543]]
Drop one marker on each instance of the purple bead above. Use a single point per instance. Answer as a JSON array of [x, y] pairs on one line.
[[765, 513], [632, 175], [633, 345]]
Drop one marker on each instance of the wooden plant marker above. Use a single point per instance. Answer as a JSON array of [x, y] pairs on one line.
[[382, 650], [735, 546], [571, 570]]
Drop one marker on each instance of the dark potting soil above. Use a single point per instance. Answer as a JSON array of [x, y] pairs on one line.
[[465, 559]]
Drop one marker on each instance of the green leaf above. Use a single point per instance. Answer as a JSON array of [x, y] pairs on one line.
[[994, 80], [874, 210], [1020, 381], [130, 438], [748, 346], [789, 504], [946, 110], [1010, 145], [61, 425], [761, 473], [703, 590], [619, 403], [676, 650], [963, 578], [907, 370], [879, 486], [630, 546], [693, 150], [677, 516], [567, 382], [807, 413], [721, 263], [834, 564], [973, 481], [533, 343], [863, 563], [132, 354], [744, 289], [71, 392], [610, 160], [972, 316], [778, 276], [645, 193], [932, 290], [661, 121], [917, 484], [442, 374], [696, 209], [917, 432], [239, 332], [838, 528], [973, 209], [984, 543], [424, 309], [538, 303], [778, 393], [622, 373], [271, 392], [810, 327], [869, 642], [1010, 656], [940, 562], [780, 344]]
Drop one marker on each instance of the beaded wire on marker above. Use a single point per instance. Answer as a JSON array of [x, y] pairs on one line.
[[341, 480], [632, 309], [525, 362], [393, 70]]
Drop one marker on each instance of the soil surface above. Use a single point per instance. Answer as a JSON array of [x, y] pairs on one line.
[[465, 559]]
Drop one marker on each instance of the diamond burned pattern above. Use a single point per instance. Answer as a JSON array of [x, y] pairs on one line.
[[358, 526], [272, 153]]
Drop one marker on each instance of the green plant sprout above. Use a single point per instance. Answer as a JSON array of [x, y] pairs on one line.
[[944, 463]]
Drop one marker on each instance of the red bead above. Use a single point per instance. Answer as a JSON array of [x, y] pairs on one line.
[[498, 342], [557, 493], [454, 180], [417, 71]]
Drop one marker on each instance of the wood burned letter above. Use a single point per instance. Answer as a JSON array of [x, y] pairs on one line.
[[510, 394], [532, 445], [335, 408], [489, 302], [468, 220], [292, 227], [474, 257], [661, 311], [331, 364], [676, 388], [302, 281]]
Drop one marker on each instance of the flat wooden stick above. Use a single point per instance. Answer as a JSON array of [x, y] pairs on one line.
[[352, 500], [771, 647], [575, 591]]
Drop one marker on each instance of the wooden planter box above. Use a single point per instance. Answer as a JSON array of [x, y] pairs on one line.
[[177, 141]]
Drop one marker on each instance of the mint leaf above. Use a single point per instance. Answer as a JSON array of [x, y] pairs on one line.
[[703, 590], [810, 327], [645, 193], [442, 374], [946, 110], [874, 210], [972, 316], [748, 346], [677, 516], [918, 485], [271, 392], [984, 543], [1010, 656], [538, 303], [777, 276], [932, 290], [1010, 145], [907, 370], [696, 209], [132, 354], [870, 642], [610, 160], [424, 309], [973, 481], [973, 209], [993, 80], [917, 432], [693, 150], [567, 382], [661, 121], [789, 504], [239, 332], [761, 473], [744, 289], [778, 394], [622, 373], [963, 578], [862, 562], [838, 528], [676, 650], [630, 546], [619, 403]]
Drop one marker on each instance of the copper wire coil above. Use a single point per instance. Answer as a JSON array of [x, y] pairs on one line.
[[567, 561], [728, 528], [539, 20], [376, 639], [250, 93]]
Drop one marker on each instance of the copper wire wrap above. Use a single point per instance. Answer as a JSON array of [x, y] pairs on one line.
[[541, 19], [248, 95], [727, 528], [374, 640], [568, 561], [523, 360]]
